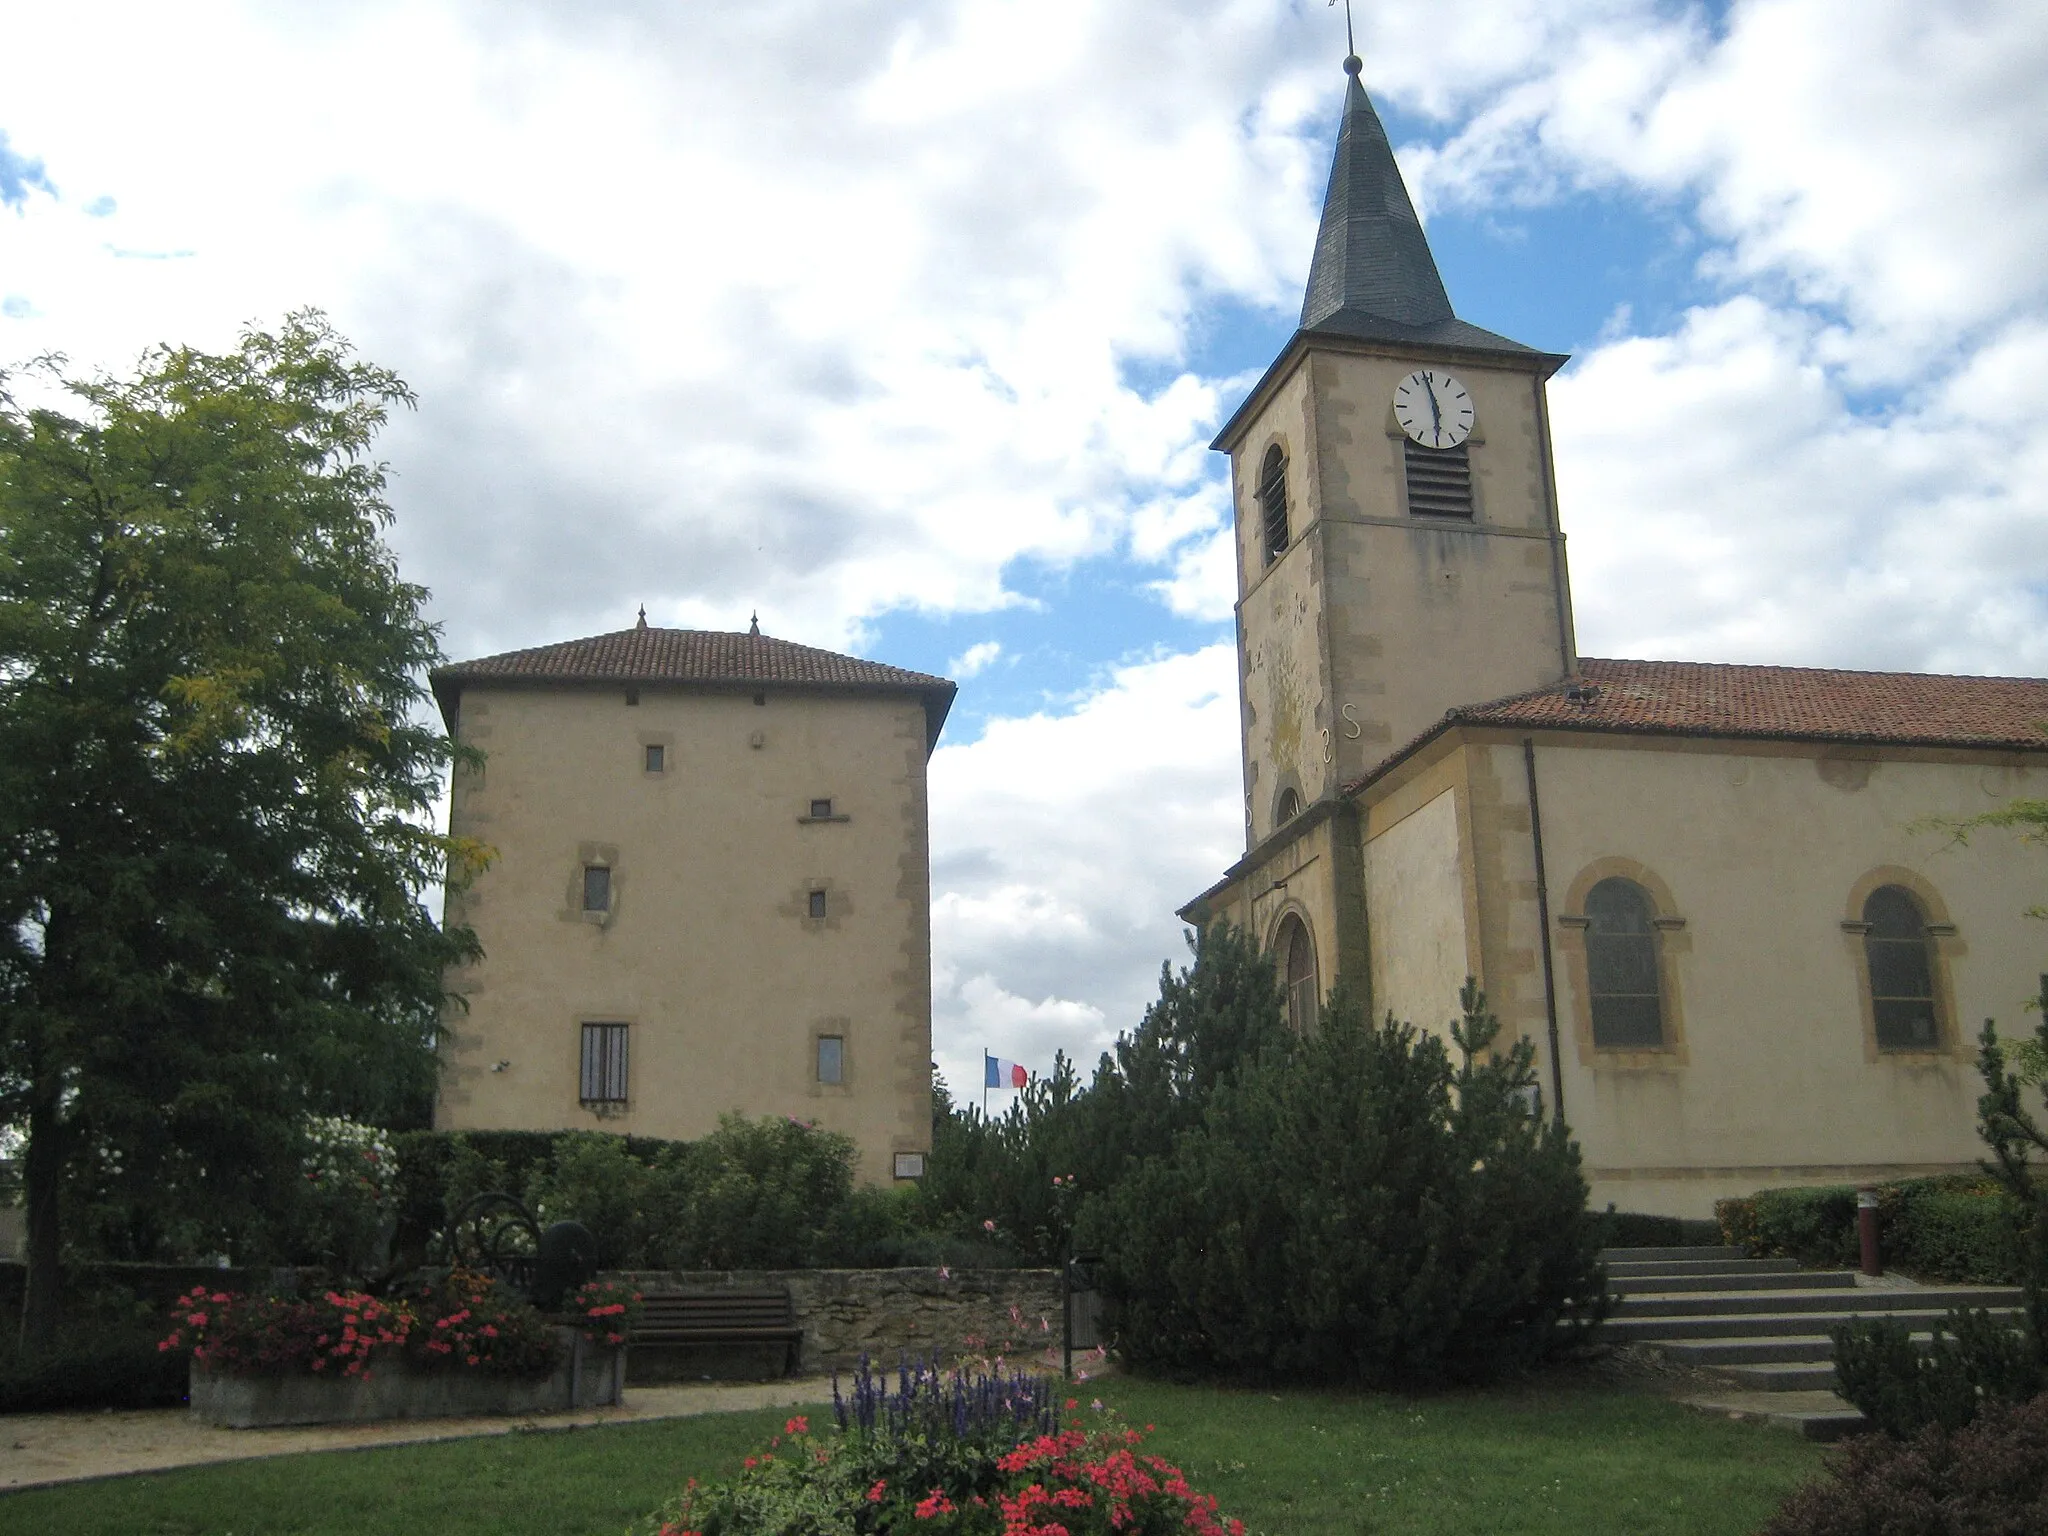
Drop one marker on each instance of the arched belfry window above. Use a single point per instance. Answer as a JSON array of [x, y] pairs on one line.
[[1289, 808], [1621, 967], [1273, 504], [1295, 948], [1901, 971]]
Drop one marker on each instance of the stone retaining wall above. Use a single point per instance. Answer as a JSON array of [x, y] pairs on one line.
[[887, 1313]]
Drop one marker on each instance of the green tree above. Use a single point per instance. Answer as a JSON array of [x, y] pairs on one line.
[[216, 776], [1354, 1207]]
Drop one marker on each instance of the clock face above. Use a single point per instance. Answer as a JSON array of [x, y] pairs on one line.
[[1433, 408]]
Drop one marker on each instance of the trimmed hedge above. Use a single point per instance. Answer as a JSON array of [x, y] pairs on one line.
[[123, 1369], [1958, 1227], [1639, 1229]]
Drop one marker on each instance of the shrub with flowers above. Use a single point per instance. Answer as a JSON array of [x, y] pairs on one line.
[[958, 1455], [469, 1321], [349, 1201], [607, 1311], [329, 1334]]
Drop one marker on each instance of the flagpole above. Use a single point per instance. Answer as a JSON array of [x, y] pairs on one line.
[[984, 1082]]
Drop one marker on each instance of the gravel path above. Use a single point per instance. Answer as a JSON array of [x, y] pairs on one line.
[[40, 1448]]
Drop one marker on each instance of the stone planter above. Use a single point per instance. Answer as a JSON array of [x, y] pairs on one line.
[[586, 1376]]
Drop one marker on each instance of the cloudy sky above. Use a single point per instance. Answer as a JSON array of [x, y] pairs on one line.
[[908, 323]]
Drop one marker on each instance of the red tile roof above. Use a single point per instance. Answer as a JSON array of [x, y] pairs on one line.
[[647, 655], [1696, 698]]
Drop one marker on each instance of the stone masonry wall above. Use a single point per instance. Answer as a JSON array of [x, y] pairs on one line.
[[887, 1313]]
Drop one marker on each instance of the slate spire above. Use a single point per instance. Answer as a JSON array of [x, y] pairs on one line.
[[1372, 262]]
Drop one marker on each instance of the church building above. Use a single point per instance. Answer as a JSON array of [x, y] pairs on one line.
[[710, 892], [1716, 897]]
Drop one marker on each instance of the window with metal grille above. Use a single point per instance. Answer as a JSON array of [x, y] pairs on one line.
[[604, 1064], [1297, 950], [1439, 480], [1621, 967], [1273, 503], [1901, 976]]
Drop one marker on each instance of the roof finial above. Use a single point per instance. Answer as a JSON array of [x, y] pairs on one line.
[[754, 628], [643, 617], [1352, 62]]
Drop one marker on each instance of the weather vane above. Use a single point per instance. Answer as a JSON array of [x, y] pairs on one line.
[[1350, 47]]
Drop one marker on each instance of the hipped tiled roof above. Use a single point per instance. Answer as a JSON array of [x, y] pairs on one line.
[[1695, 698], [707, 657]]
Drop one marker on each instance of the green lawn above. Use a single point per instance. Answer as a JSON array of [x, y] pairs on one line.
[[1569, 1460]]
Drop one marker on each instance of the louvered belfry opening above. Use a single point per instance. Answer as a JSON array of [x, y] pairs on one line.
[[1273, 503], [1439, 480]]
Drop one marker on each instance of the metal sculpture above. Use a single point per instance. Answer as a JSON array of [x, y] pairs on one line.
[[496, 1234]]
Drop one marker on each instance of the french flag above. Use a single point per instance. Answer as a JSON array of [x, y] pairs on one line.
[[1002, 1074]]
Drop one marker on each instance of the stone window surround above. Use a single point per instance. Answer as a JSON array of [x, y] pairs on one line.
[[588, 856], [838, 904], [1673, 942], [1276, 926], [666, 740], [840, 1029], [1944, 945]]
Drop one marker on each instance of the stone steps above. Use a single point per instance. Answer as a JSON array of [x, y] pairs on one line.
[[1716, 1325], [1763, 1325]]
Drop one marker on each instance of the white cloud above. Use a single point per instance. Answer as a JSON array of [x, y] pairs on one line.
[[1062, 845], [975, 660]]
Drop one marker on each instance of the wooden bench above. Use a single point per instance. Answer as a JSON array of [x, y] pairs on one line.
[[721, 1317]]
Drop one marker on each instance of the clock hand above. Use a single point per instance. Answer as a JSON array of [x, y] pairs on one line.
[[1436, 414]]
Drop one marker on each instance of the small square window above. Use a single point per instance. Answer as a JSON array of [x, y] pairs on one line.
[[657, 757], [817, 903], [832, 1060], [603, 1079], [821, 810], [597, 888]]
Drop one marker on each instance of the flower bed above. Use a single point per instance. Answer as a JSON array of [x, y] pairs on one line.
[[956, 1455], [460, 1345]]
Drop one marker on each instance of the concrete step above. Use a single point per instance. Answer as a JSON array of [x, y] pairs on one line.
[[1722, 1325], [1817, 1415], [1632, 1269], [1795, 1377], [1777, 1301], [1791, 1278], [1770, 1349], [1659, 1255]]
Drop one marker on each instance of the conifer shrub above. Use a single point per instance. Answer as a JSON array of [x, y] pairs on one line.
[[1988, 1479], [1354, 1207], [1973, 1358]]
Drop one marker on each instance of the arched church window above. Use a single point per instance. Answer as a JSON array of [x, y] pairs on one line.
[[1295, 948], [1901, 974], [1621, 967], [1290, 807], [1273, 503]]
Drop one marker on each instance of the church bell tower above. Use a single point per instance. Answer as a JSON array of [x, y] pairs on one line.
[[1398, 548]]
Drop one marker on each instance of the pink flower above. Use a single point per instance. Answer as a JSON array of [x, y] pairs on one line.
[[988, 1226]]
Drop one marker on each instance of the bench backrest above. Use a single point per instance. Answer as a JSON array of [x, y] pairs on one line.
[[718, 1309]]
